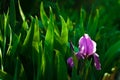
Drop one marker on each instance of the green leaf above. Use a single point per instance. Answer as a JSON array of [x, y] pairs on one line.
[[48, 49], [1, 60], [92, 25], [89, 25], [36, 37], [61, 67], [10, 42], [21, 12], [28, 52], [82, 18], [95, 23], [36, 52], [69, 24], [1, 37], [49, 38], [64, 34], [25, 25], [41, 62], [15, 43], [74, 74], [5, 32], [43, 15], [17, 70], [30, 33]]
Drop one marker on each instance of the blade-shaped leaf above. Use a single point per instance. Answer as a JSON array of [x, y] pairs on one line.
[[30, 33], [36, 37], [49, 38], [41, 62], [43, 15], [92, 24], [27, 51], [5, 32], [35, 48], [21, 12], [10, 42], [82, 18], [64, 34], [15, 42], [24, 24], [95, 23], [69, 24], [1, 61], [48, 49]]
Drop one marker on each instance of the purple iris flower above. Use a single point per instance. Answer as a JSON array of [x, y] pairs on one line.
[[70, 62], [87, 47]]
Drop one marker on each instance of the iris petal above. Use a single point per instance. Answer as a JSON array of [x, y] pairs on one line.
[[96, 61], [70, 62], [79, 56], [87, 46], [83, 45], [94, 46]]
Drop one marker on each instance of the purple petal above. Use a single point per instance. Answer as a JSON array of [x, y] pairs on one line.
[[70, 62], [91, 45], [83, 45], [94, 46], [96, 61], [79, 56], [87, 46]]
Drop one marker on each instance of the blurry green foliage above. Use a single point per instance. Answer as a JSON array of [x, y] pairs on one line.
[[34, 44]]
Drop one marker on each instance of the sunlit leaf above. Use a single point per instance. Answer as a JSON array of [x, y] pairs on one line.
[[29, 36], [64, 34], [43, 16], [5, 32], [49, 38], [21, 12], [48, 48], [69, 24], [36, 37]]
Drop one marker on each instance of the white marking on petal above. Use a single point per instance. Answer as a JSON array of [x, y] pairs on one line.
[[94, 46], [96, 54], [86, 36], [80, 39], [82, 49]]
